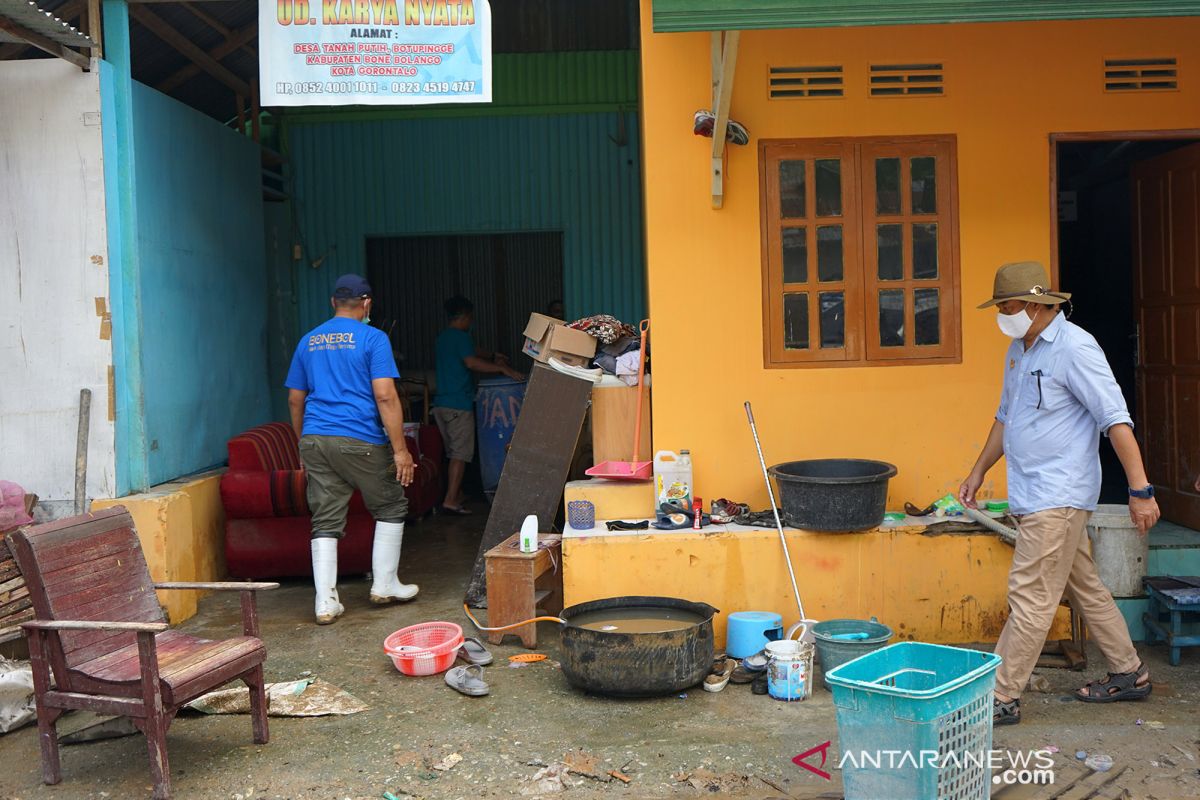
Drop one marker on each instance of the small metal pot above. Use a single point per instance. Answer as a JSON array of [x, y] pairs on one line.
[[637, 664]]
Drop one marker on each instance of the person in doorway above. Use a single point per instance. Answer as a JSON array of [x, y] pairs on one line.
[[1059, 395], [345, 410], [556, 309], [453, 404]]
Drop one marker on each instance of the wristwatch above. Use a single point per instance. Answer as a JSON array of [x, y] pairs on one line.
[[1144, 494]]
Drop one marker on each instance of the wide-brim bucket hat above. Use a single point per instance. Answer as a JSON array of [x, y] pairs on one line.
[[1026, 281]]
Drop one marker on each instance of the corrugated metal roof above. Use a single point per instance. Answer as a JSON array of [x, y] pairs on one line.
[[715, 15], [27, 15]]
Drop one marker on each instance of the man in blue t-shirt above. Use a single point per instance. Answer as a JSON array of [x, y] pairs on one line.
[[345, 411], [457, 358]]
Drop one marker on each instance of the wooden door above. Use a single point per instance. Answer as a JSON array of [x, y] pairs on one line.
[[1166, 240]]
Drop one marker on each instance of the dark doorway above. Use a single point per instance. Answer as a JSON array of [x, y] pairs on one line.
[[1097, 264], [505, 275]]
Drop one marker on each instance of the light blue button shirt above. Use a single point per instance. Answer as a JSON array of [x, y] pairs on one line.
[[1052, 436]]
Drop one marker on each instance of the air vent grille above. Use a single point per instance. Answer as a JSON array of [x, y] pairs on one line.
[[1141, 74], [906, 80], [791, 83]]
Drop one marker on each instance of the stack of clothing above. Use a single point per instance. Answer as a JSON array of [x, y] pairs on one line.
[[619, 343]]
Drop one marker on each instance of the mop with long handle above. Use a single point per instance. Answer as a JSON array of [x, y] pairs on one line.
[[804, 622]]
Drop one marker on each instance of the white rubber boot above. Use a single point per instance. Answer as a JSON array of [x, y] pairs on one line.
[[324, 563], [385, 558]]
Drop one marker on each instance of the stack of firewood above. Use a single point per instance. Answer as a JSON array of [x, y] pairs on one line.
[[15, 604]]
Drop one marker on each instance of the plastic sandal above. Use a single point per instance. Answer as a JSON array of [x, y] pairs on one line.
[[1116, 687], [473, 652], [1005, 713], [741, 675], [468, 680], [717, 681]]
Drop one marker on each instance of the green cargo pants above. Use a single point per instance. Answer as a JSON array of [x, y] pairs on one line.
[[336, 466]]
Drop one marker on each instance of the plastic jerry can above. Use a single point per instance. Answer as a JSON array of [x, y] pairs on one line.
[[673, 478]]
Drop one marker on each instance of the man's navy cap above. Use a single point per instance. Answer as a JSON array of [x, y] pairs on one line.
[[349, 286]]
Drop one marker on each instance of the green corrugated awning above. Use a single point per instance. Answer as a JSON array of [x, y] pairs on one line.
[[719, 15]]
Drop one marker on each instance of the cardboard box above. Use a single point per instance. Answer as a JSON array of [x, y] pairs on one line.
[[547, 337]]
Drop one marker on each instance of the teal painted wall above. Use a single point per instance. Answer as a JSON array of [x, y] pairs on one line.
[[578, 173], [204, 302]]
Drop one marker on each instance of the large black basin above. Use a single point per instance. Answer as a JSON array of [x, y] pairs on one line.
[[833, 494], [638, 664]]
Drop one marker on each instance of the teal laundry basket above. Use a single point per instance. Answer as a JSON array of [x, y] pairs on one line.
[[915, 722]]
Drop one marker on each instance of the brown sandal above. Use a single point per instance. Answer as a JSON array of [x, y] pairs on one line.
[[1117, 686]]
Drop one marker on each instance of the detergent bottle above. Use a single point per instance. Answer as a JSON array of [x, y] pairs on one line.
[[673, 479]]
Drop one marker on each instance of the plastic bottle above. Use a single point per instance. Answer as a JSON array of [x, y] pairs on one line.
[[529, 534], [673, 479]]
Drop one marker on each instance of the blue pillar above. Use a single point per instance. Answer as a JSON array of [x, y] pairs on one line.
[[124, 266]]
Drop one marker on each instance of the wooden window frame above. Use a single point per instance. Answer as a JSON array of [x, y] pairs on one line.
[[859, 254]]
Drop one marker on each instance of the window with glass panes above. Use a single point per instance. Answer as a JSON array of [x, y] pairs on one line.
[[860, 252]]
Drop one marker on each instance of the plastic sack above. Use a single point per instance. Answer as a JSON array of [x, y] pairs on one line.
[[12, 506], [16, 695]]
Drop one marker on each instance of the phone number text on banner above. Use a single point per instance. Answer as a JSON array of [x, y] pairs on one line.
[[374, 52]]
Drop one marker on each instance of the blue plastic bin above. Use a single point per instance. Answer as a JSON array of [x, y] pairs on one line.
[[497, 406], [915, 722]]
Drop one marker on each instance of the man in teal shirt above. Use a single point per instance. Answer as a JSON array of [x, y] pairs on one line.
[[454, 402]]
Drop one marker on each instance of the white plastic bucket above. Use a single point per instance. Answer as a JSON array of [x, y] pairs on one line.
[[1119, 551], [789, 669]]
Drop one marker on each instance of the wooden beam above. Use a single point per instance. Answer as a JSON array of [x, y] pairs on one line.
[[208, 19], [158, 26], [183, 74], [93, 28], [255, 112], [722, 95], [43, 43], [218, 26]]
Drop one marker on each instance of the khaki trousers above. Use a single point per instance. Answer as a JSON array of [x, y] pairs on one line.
[[1053, 557]]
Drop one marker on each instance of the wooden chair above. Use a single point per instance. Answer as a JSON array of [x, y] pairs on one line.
[[99, 626]]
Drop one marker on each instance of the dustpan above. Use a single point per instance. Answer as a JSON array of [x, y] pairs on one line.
[[632, 470]]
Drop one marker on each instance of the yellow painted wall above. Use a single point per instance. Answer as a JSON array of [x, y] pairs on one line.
[[182, 529], [1008, 87], [948, 589]]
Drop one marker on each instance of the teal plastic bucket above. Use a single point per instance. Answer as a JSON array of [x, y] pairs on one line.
[[915, 721], [835, 651]]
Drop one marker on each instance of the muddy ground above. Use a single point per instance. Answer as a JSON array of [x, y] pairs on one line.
[[732, 744]]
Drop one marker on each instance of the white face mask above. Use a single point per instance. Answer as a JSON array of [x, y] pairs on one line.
[[1015, 326]]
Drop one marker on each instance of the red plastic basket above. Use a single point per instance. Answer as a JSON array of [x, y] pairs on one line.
[[424, 649]]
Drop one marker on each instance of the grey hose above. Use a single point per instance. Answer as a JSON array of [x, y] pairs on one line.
[[1006, 533]]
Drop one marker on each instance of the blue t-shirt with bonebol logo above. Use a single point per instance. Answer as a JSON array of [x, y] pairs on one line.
[[335, 363]]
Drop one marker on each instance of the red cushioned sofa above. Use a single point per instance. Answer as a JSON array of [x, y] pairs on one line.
[[267, 526]]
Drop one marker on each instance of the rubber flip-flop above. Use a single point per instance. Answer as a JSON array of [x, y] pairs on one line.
[[468, 680], [473, 652], [741, 675], [454, 512]]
